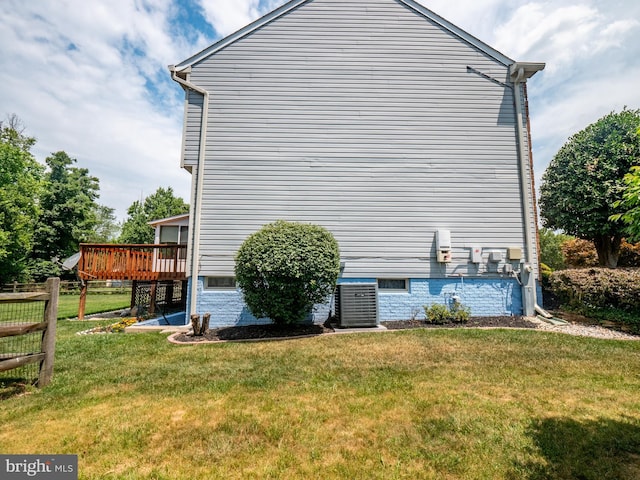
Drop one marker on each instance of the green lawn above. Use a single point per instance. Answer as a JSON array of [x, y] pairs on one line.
[[420, 404], [68, 304]]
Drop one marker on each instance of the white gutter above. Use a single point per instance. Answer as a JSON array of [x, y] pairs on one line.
[[197, 207], [520, 72]]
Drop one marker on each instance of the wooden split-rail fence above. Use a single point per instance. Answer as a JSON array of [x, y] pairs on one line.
[[21, 322]]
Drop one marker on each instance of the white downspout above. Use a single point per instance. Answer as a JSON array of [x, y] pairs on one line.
[[529, 288], [197, 208]]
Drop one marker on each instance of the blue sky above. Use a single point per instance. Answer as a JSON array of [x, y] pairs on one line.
[[90, 76]]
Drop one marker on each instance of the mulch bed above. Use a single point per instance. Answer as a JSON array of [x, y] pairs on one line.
[[474, 322], [254, 332], [266, 332]]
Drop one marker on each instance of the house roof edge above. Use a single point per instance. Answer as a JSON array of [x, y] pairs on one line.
[[287, 7], [459, 32], [256, 24], [160, 221]]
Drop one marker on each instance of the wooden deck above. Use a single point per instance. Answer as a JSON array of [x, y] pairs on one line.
[[132, 262]]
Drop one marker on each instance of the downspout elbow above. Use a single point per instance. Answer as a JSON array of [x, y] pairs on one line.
[[519, 76], [184, 82]]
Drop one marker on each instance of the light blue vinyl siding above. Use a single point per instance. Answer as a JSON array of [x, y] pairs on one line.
[[361, 116]]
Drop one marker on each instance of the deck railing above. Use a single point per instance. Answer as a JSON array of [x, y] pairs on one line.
[[132, 262]]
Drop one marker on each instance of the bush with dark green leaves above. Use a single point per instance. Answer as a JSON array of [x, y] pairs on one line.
[[592, 291], [286, 268]]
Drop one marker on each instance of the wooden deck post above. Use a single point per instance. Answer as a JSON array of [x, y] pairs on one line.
[[134, 289], [84, 284], [49, 335], [168, 294], [153, 294]]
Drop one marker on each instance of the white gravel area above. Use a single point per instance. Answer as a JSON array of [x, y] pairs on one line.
[[584, 330]]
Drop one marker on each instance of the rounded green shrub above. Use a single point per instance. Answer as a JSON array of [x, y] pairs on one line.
[[436, 313], [440, 314], [285, 268]]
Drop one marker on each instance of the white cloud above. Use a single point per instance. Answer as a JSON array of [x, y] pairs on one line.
[[90, 78], [78, 77], [227, 16], [582, 102], [593, 67], [561, 35], [475, 17]]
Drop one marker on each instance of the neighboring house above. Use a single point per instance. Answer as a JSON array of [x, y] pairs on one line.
[[403, 135], [172, 230]]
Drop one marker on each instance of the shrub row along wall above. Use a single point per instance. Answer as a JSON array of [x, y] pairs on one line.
[[598, 288]]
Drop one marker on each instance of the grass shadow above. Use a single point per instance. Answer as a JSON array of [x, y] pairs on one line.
[[599, 449], [11, 387]]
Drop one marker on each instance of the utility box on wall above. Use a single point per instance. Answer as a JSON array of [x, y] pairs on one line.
[[495, 256], [443, 246], [476, 255], [514, 254]]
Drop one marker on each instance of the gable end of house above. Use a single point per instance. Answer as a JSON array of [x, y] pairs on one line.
[[294, 4]]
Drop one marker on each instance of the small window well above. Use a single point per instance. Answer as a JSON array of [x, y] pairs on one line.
[[221, 283], [397, 284]]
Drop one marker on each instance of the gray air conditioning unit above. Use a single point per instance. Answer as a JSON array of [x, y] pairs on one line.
[[357, 305]]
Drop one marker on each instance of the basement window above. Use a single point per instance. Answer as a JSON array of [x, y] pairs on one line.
[[393, 284], [220, 283]]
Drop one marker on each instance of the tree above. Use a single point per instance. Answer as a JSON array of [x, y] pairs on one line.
[[20, 185], [68, 213], [12, 132], [135, 228], [161, 204], [583, 182], [630, 203], [551, 248], [285, 268], [579, 253], [107, 228]]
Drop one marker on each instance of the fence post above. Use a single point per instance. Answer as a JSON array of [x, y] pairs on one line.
[[84, 285], [49, 335]]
